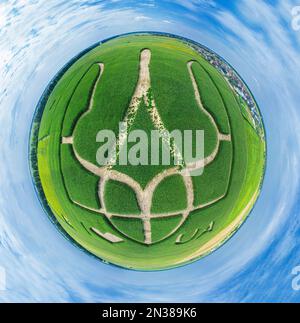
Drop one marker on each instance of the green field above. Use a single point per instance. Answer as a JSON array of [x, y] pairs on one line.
[[94, 93]]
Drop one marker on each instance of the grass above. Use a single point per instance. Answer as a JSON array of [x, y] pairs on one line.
[[79, 100], [174, 94], [76, 177], [119, 77], [132, 228], [211, 98], [164, 226], [177, 201], [245, 111], [205, 190], [61, 180]]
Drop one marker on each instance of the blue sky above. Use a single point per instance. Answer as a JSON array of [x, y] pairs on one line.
[[38, 37]]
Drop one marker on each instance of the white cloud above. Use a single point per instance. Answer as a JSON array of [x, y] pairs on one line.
[[142, 18], [194, 5]]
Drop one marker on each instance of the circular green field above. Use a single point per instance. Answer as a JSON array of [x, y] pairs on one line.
[[147, 216]]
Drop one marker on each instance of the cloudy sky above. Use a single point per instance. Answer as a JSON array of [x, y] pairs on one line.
[[260, 39]]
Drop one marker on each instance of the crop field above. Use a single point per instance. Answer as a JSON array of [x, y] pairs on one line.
[[146, 217]]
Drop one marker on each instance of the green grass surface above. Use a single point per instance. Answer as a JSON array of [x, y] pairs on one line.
[[163, 227], [112, 97], [245, 111], [79, 100], [62, 180]]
